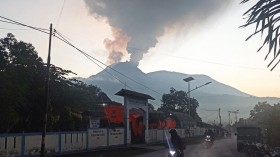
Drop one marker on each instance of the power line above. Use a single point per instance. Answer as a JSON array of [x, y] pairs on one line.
[[13, 29], [67, 42], [60, 13], [92, 59], [89, 56], [204, 61], [7, 20], [62, 38], [209, 115], [207, 109]]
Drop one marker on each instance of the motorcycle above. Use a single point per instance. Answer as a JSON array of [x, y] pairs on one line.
[[208, 142], [175, 153]]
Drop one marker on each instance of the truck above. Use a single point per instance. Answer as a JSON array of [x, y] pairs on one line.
[[248, 135]]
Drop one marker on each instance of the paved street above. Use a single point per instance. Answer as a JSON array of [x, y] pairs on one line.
[[221, 148]]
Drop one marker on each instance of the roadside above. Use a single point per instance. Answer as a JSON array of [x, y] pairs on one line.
[[132, 150], [116, 152]]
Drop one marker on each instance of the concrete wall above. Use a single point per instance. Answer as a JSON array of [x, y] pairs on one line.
[[28, 144]]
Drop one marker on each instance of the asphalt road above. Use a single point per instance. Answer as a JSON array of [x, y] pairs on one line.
[[221, 148]]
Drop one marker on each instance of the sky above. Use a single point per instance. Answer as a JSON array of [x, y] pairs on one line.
[[200, 39]]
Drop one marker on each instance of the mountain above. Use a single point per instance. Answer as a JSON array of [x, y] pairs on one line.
[[212, 96]]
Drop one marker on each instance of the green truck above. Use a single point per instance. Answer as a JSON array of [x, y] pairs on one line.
[[248, 135]]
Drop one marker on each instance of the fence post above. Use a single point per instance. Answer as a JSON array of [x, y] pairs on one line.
[[87, 140], [22, 144], [108, 137], [59, 142]]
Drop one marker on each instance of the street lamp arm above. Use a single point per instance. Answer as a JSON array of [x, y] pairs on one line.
[[198, 87]]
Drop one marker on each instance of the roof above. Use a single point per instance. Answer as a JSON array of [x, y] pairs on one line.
[[156, 115], [125, 92], [103, 98], [203, 124], [94, 113], [182, 116]]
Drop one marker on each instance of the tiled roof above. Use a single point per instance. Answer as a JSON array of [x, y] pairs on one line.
[[182, 116], [125, 92]]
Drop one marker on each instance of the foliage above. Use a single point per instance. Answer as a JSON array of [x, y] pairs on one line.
[[178, 101], [265, 15], [267, 117], [151, 107], [22, 91]]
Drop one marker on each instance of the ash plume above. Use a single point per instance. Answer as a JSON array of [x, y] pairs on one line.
[[116, 47], [143, 21]]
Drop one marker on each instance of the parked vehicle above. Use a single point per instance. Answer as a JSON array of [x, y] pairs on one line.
[[248, 135]]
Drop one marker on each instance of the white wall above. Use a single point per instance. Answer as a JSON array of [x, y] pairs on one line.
[[10, 145]]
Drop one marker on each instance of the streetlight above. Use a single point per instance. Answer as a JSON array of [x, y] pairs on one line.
[[189, 96], [189, 91]]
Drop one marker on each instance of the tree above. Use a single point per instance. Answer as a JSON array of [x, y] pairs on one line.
[[265, 15], [267, 117], [178, 101], [22, 91], [151, 107], [19, 66]]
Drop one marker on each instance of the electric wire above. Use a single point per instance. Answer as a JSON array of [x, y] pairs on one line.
[[60, 13], [43, 30], [5, 21], [61, 37], [207, 61], [67, 42], [13, 29], [87, 56], [210, 115], [202, 109]]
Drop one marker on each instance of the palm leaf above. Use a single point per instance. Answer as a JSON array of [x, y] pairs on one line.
[[265, 15]]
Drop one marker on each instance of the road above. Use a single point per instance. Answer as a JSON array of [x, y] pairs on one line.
[[221, 148]]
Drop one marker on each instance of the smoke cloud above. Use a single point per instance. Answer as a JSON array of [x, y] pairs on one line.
[[141, 22], [116, 47]]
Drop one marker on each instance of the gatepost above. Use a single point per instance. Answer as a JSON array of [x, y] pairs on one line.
[[136, 100]]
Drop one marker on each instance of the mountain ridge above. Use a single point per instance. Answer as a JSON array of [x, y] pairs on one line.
[[215, 95]]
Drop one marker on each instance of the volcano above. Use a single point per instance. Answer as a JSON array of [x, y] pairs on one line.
[[125, 75]]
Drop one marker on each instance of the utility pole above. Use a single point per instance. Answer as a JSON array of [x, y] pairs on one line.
[[220, 118], [44, 128], [189, 98], [229, 120], [235, 112]]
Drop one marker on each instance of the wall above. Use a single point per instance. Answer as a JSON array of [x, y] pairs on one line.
[[28, 144]]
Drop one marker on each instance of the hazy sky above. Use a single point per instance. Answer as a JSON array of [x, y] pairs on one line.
[[205, 39]]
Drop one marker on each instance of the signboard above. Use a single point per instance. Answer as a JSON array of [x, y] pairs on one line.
[[94, 123], [116, 137], [136, 102], [97, 138]]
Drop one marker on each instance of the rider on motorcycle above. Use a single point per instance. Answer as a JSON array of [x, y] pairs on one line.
[[209, 133], [177, 142]]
